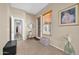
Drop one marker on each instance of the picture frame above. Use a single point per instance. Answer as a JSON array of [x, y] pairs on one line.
[[46, 29], [46, 23], [69, 16]]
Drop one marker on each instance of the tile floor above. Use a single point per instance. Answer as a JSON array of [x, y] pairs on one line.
[[34, 47]]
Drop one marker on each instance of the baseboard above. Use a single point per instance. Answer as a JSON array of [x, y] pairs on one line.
[[38, 37], [57, 47]]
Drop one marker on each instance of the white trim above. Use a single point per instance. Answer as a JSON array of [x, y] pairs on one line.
[[38, 37], [41, 26], [57, 47], [12, 26]]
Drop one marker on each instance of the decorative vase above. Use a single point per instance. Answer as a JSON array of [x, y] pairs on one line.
[[69, 50]]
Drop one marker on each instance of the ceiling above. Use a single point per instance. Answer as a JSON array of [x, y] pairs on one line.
[[32, 8]]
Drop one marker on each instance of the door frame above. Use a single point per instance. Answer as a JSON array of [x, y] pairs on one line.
[[40, 27], [13, 18]]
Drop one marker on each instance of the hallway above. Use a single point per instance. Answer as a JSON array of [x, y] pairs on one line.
[[45, 21], [34, 47]]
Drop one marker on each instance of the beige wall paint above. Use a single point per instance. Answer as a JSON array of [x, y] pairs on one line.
[[58, 32], [30, 19], [4, 25]]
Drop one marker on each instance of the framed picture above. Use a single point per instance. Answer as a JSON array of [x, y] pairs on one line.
[[69, 16], [46, 22], [46, 29]]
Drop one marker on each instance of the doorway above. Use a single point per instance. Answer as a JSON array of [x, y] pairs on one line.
[[16, 28], [39, 27]]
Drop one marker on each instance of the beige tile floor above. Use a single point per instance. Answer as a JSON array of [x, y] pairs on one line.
[[34, 47]]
